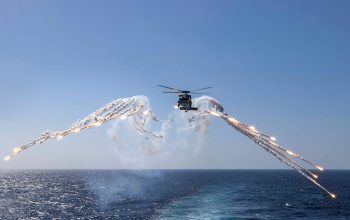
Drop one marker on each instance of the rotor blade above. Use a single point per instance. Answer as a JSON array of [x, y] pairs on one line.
[[202, 93], [170, 88], [172, 92], [209, 87]]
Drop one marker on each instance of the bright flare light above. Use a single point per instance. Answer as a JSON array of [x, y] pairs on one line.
[[233, 120], [16, 150], [273, 138], [76, 130], [252, 128], [176, 107], [98, 123], [320, 168], [59, 137], [290, 153], [123, 117], [7, 158], [333, 196], [217, 114], [145, 112]]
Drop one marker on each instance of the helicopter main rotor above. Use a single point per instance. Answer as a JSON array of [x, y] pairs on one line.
[[175, 90]]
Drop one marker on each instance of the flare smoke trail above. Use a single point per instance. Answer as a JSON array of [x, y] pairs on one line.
[[139, 109], [137, 106]]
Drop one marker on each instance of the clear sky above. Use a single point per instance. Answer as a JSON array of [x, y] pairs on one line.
[[283, 66]]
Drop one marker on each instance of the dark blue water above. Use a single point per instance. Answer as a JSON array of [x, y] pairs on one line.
[[171, 194]]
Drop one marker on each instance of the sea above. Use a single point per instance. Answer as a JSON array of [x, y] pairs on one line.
[[171, 194]]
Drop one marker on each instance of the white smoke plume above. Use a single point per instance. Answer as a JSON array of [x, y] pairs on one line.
[[139, 151], [138, 112]]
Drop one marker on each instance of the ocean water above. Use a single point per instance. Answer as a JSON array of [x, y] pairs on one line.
[[171, 194]]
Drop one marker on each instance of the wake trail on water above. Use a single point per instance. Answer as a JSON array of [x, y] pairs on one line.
[[139, 110]]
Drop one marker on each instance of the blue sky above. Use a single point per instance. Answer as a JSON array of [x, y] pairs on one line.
[[283, 66]]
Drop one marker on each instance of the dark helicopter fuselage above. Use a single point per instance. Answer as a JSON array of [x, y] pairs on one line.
[[185, 99], [185, 102]]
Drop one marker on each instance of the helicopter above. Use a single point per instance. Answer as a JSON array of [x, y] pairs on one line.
[[185, 99]]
